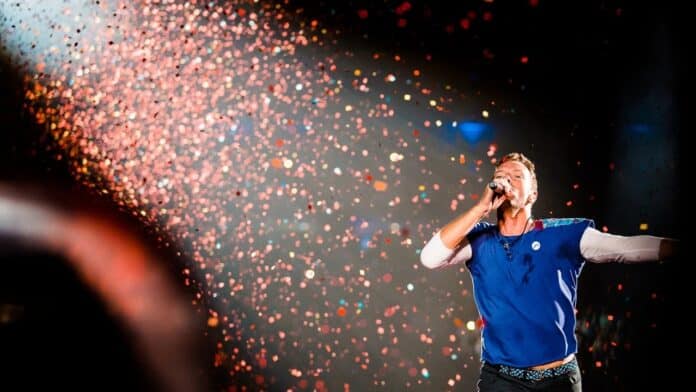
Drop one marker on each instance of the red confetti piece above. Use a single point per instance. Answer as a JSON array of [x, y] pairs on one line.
[[403, 8], [480, 323]]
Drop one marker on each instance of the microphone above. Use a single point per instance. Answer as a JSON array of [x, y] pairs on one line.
[[495, 187]]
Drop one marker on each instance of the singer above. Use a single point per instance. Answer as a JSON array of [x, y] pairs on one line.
[[525, 273]]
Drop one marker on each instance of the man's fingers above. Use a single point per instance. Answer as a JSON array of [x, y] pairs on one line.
[[497, 202]]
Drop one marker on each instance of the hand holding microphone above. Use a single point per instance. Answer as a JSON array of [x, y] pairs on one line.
[[495, 194], [496, 187]]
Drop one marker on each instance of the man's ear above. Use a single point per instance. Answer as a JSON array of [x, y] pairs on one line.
[[532, 198]]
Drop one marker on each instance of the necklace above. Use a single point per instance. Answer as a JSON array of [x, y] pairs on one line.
[[508, 245]]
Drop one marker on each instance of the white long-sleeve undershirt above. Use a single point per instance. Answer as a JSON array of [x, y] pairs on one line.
[[595, 246]]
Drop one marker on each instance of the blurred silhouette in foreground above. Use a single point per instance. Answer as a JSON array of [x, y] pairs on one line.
[[85, 301]]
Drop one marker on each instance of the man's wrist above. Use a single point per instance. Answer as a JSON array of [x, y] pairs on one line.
[[668, 249], [481, 210]]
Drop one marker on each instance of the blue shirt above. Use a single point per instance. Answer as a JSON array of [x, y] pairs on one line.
[[525, 288]]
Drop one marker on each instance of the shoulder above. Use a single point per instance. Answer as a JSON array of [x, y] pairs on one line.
[[482, 227], [480, 230], [548, 223]]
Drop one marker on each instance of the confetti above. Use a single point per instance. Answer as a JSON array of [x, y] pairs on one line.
[[297, 178]]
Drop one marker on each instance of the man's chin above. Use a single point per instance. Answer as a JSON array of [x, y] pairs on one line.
[[509, 205]]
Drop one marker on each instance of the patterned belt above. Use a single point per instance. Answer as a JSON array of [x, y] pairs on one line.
[[537, 375]]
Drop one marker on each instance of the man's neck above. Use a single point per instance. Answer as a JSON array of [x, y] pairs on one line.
[[514, 222]]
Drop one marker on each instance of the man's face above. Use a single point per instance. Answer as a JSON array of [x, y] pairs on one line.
[[520, 179]]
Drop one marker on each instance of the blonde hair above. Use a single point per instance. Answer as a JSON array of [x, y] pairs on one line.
[[521, 158]]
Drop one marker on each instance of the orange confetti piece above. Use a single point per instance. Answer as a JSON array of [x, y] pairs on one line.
[[390, 311], [381, 186], [277, 163]]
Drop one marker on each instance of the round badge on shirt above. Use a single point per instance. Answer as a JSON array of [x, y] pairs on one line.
[[536, 245]]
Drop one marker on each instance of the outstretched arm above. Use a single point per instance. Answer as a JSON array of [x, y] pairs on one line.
[[599, 247]]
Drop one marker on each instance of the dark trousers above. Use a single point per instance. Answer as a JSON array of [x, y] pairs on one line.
[[493, 381]]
